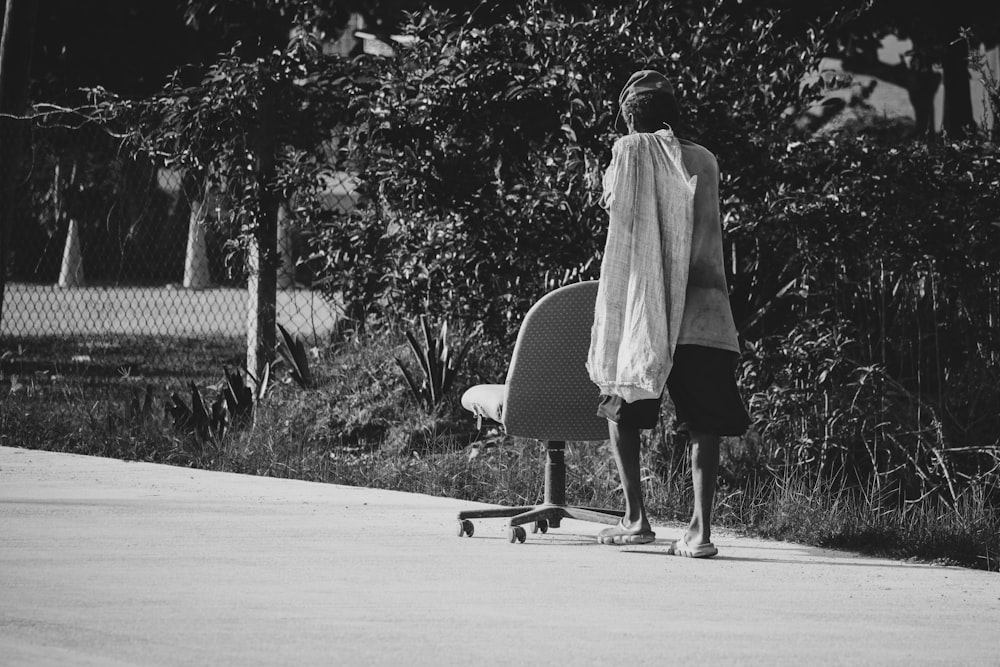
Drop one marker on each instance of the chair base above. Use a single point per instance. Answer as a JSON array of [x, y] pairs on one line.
[[552, 511], [553, 514]]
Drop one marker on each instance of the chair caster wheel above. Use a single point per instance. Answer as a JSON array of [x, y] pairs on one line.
[[516, 534], [540, 526], [465, 527]]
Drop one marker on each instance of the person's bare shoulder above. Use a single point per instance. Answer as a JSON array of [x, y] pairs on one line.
[[698, 160]]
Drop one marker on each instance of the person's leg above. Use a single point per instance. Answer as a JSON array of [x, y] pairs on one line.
[[625, 424], [704, 470], [707, 405], [625, 447]]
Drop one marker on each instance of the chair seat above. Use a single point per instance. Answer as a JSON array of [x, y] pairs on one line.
[[485, 400]]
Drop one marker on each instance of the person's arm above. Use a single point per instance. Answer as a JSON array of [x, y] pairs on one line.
[[620, 179]]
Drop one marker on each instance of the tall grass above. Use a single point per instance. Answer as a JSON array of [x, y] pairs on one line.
[[876, 365], [965, 532]]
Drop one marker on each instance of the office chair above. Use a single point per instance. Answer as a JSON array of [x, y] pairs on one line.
[[548, 396]]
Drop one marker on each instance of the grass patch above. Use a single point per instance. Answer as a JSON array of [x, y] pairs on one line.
[[361, 426], [965, 533], [115, 361]]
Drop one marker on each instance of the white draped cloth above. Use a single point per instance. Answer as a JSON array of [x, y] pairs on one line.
[[644, 272]]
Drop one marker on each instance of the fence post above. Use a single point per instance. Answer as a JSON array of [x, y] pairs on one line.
[[16, 45]]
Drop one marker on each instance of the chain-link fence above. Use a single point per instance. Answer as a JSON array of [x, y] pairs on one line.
[[112, 248]]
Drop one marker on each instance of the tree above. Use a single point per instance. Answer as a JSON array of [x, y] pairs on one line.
[[15, 65], [936, 30]]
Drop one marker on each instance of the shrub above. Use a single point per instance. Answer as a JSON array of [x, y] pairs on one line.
[[482, 149], [868, 293]]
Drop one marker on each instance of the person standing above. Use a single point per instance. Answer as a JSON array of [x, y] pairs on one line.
[[663, 317]]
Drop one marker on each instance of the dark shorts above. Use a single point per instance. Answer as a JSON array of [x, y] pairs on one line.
[[702, 386]]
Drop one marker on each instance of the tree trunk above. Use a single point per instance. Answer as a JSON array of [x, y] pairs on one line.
[[262, 287], [918, 78], [992, 83], [921, 86], [958, 119], [16, 46]]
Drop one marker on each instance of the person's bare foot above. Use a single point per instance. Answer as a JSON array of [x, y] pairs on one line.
[[624, 533], [688, 547]]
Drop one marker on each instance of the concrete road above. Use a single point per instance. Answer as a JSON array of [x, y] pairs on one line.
[[110, 563]]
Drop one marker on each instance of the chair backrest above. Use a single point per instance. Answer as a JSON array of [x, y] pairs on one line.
[[549, 395]]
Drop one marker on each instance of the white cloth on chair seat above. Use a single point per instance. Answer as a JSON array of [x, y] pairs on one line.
[[485, 400]]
